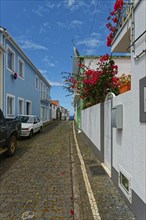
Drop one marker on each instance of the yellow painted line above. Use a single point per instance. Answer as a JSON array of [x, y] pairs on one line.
[[90, 194]]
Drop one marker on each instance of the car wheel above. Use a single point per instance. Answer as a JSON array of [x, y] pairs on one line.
[[31, 133], [12, 145]]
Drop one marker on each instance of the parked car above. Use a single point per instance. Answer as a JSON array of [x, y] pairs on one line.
[[9, 132], [30, 124]]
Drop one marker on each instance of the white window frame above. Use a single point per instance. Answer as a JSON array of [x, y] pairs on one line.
[[13, 106], [12, 51], [21, 99], [43, 90], [127, 193], [20, 60], [28, 101], [36, 78]]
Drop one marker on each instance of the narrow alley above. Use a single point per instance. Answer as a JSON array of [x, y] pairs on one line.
[[56, 176]]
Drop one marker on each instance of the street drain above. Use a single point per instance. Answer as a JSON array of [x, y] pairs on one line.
[[97, 170]]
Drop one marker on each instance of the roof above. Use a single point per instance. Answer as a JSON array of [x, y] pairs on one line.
[[6, 34], [55, 102]]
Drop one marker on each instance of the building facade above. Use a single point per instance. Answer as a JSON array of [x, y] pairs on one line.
[[131, 37], [23, 88], [117, 127]]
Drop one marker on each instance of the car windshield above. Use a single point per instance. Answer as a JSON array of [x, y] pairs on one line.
[[25, 119]]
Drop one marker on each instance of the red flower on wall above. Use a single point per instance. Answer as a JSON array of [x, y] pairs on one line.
[[114, 19], [93, 84]]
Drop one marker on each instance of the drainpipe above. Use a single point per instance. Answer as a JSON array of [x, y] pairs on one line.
[[132, 29]]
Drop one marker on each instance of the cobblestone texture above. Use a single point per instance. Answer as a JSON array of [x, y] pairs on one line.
[[109, 201], [38, 178], [36, 183]]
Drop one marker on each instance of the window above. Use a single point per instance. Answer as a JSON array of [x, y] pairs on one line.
[[20, 68], [43, 91], [125, 183], [28, 108], [20, 106], [10, 59], [10, 106], [37, 83]]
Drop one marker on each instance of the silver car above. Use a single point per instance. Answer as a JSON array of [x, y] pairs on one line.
[[30, 124]]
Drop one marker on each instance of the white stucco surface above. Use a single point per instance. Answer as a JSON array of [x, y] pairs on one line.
[[90, 124]]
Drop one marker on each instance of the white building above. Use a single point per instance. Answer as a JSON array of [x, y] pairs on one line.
[[129, 152], [118, 127]]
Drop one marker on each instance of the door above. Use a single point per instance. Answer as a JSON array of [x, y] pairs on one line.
[[107, 133], [28, 108]]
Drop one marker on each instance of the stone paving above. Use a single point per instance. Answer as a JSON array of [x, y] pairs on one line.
[[43, 179], [110, 204], [36, 182]]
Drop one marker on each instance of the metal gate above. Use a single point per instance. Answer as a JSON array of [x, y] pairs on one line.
[[108, 130]]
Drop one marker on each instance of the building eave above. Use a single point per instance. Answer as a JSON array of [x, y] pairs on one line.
[[10, 38]]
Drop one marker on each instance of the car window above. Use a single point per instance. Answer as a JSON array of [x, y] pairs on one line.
[[25, 119], [35, 120], [38, 119]]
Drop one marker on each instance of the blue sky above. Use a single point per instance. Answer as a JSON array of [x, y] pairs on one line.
[[45, 29]]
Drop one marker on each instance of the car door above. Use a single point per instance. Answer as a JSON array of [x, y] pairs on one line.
[[36, 125], [3, 129]]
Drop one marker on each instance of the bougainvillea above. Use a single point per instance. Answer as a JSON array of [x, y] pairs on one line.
[[94, 84], [114, 17]]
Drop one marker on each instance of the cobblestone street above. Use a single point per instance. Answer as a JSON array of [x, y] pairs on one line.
[[43, 180]]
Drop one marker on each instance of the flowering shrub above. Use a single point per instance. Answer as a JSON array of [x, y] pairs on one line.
[[114, 17], [124, 79], [94, 85]]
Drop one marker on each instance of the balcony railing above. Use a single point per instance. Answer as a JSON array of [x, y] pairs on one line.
[[123, 15], [45, 96]]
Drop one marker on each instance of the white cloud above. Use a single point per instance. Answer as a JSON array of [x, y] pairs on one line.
[[26, 44], [48, 62], [89, 42], [61, 24], [90, 51], [50, 5], [75, 23], [43, 72], [39, 11], [73, 5], [70, 3], [45, 26], [52, 83], [55, 83], [72, 24]]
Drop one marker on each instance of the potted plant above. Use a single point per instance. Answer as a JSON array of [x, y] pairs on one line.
[[124, 83]]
